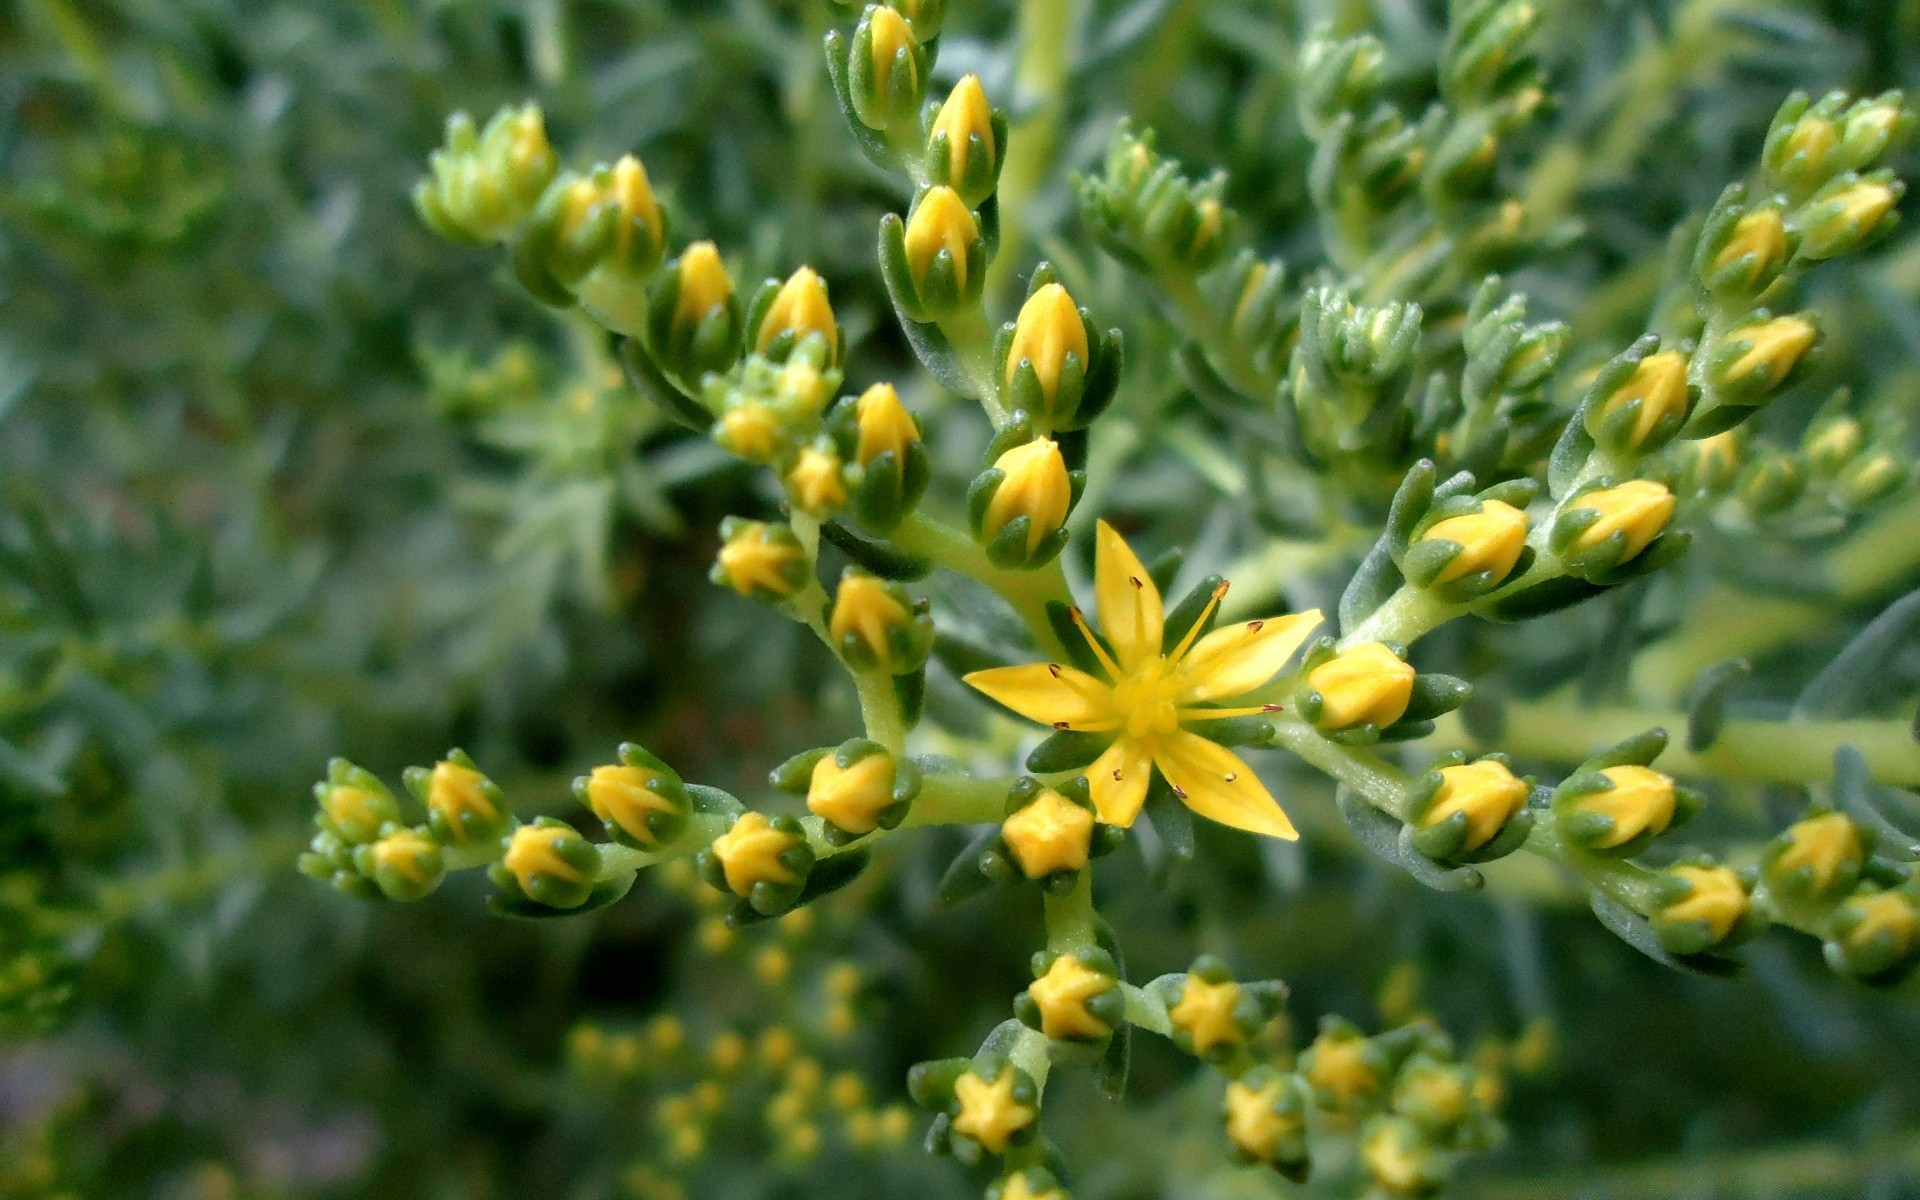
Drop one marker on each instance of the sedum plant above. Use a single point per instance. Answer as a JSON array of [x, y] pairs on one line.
[[964, 540]]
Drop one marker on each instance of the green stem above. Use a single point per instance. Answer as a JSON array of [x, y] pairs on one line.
[[880, 710], [1070, 917], [971, 337], [701, 829], [1381, 783], [1026, 591], [959, 800]]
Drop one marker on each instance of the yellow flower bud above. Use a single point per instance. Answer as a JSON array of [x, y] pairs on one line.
[[1036, 486], [357, 812], [750, 851], [1400, 1160], [411, 855], [455, 792], [852, 797], [884, 424], [1659, 383], [1839, 222], [1490, 540], [630, 189], [1641, 800], [1716, 899], [535, 851], [866, 610], [891, 35], [750, 430], [1340, 1070], [1829, 446], [817, 481], [1774, 347], [1486, 791], [803, 389], [800, 307], [1205, 1014], [941, 221], [1825, 845], [1812, 139], [1047, 330], [1763, 235], [758, 560], [1889, 914], [620, 796], [966, 115], [1254, 1125], [1050, 833], [988, 1112], [703, 284], [1061, 997], [1638, 509], [1367, 685]]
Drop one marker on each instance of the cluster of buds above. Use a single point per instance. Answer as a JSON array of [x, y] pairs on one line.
[[854, 788], [1056, 367], [982, 1105], [1616, 804], [364, 848], [1017, 507], [1369, 693], [774, 413], [1146, 213], [1049, 834], [1368, 156], [595, 238], [481, 184], [1348, 378], [1505, 415]]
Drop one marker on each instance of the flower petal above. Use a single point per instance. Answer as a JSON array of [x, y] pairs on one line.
[[1214, 782], [1128, 602], [1239, 658], [1118, 781], [1050, 693]]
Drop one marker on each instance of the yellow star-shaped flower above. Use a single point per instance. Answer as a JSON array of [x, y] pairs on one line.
[[1151, 693], [1205, 1013], [749, 853], [1050, 834], [1252, 1122], [1061, 995], [989, 1114]]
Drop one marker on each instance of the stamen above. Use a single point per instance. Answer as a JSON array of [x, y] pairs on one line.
[[1117, 776], [1106, 660], [1192, 713], [1053, 669], [1193, 630], [1178, 790], [1063, 724]]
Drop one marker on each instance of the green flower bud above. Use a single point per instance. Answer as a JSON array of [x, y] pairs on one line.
[[885, 69], [1346, 1072], [1743, 248], [1074, 997], [549, 863], [354, 805], [1479, 547], [1639, 414], [1848, 214], [481, 186], [1604, 528], [640, 799], [614, 293], [1469, 811], [1701, 906], [694, 322], [1772, 483], [1875, 935], [760, 560], [406, 864], [463, 806], [1831, 443], [1816, 859]]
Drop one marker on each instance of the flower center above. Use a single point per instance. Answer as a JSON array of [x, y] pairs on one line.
[[1147, 697]]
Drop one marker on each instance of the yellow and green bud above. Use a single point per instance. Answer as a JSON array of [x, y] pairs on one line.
[[1872, 477], [858, 787], [1149, 214], [1469, 553], [1266, 1119], [1048, 833], [1074, 997], [893, 467], [1816, 859], [1848, 214], [406, 865], [1602, 529], [750, 429], [964, 143], [1366, 685], [816, 481], [1701, 906], [569, 232], [1642, 412], [1031, 1183], [1753, 362], [1772, 482], [1018, 507], [548, 863], [936, 262], [695, 321], [463, 806], [614, 291], [1619, 809], [764, 861], [1435, 1095], [875, 625], [1212, 1015], [482, 184], [1710, 465], [354, 805], [995, 1110], [1875, 935], [639, 799], [1743, 249], [1469, 811], [885, 70], [1346, 1072], [1054, 365], [761, 560], [784, 315], [1398, 1157]]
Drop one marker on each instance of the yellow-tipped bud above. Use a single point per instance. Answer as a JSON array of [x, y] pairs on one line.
[[1490, 540], [1048, 330], [1638, 510], [625, 796], [1761, 234], [1486, 791], [868, 618], [966, 121], [817, 481], [1035, 486], [630, 190], [1367, 685], [941, 221], [1772, 349], [1839, 222], [989, 1113], [1049, 834], [891, 35], [1257, 1123], [1205, 1013], [750, 430], [883, 424], [703, 285], [537, 850], [1061, 996], [458, 794], [414, 861], [764, 560], [1715, 898], [1641, 800], [1825, 846], [1659, 383], [852, 797], [750, 852], [800, 308]]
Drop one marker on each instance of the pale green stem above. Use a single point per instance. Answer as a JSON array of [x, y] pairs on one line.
[[1146, 1011], [880, 710], [1070, 917], [1381, 783], [701, 829], [971, 336], [1027, 591]]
